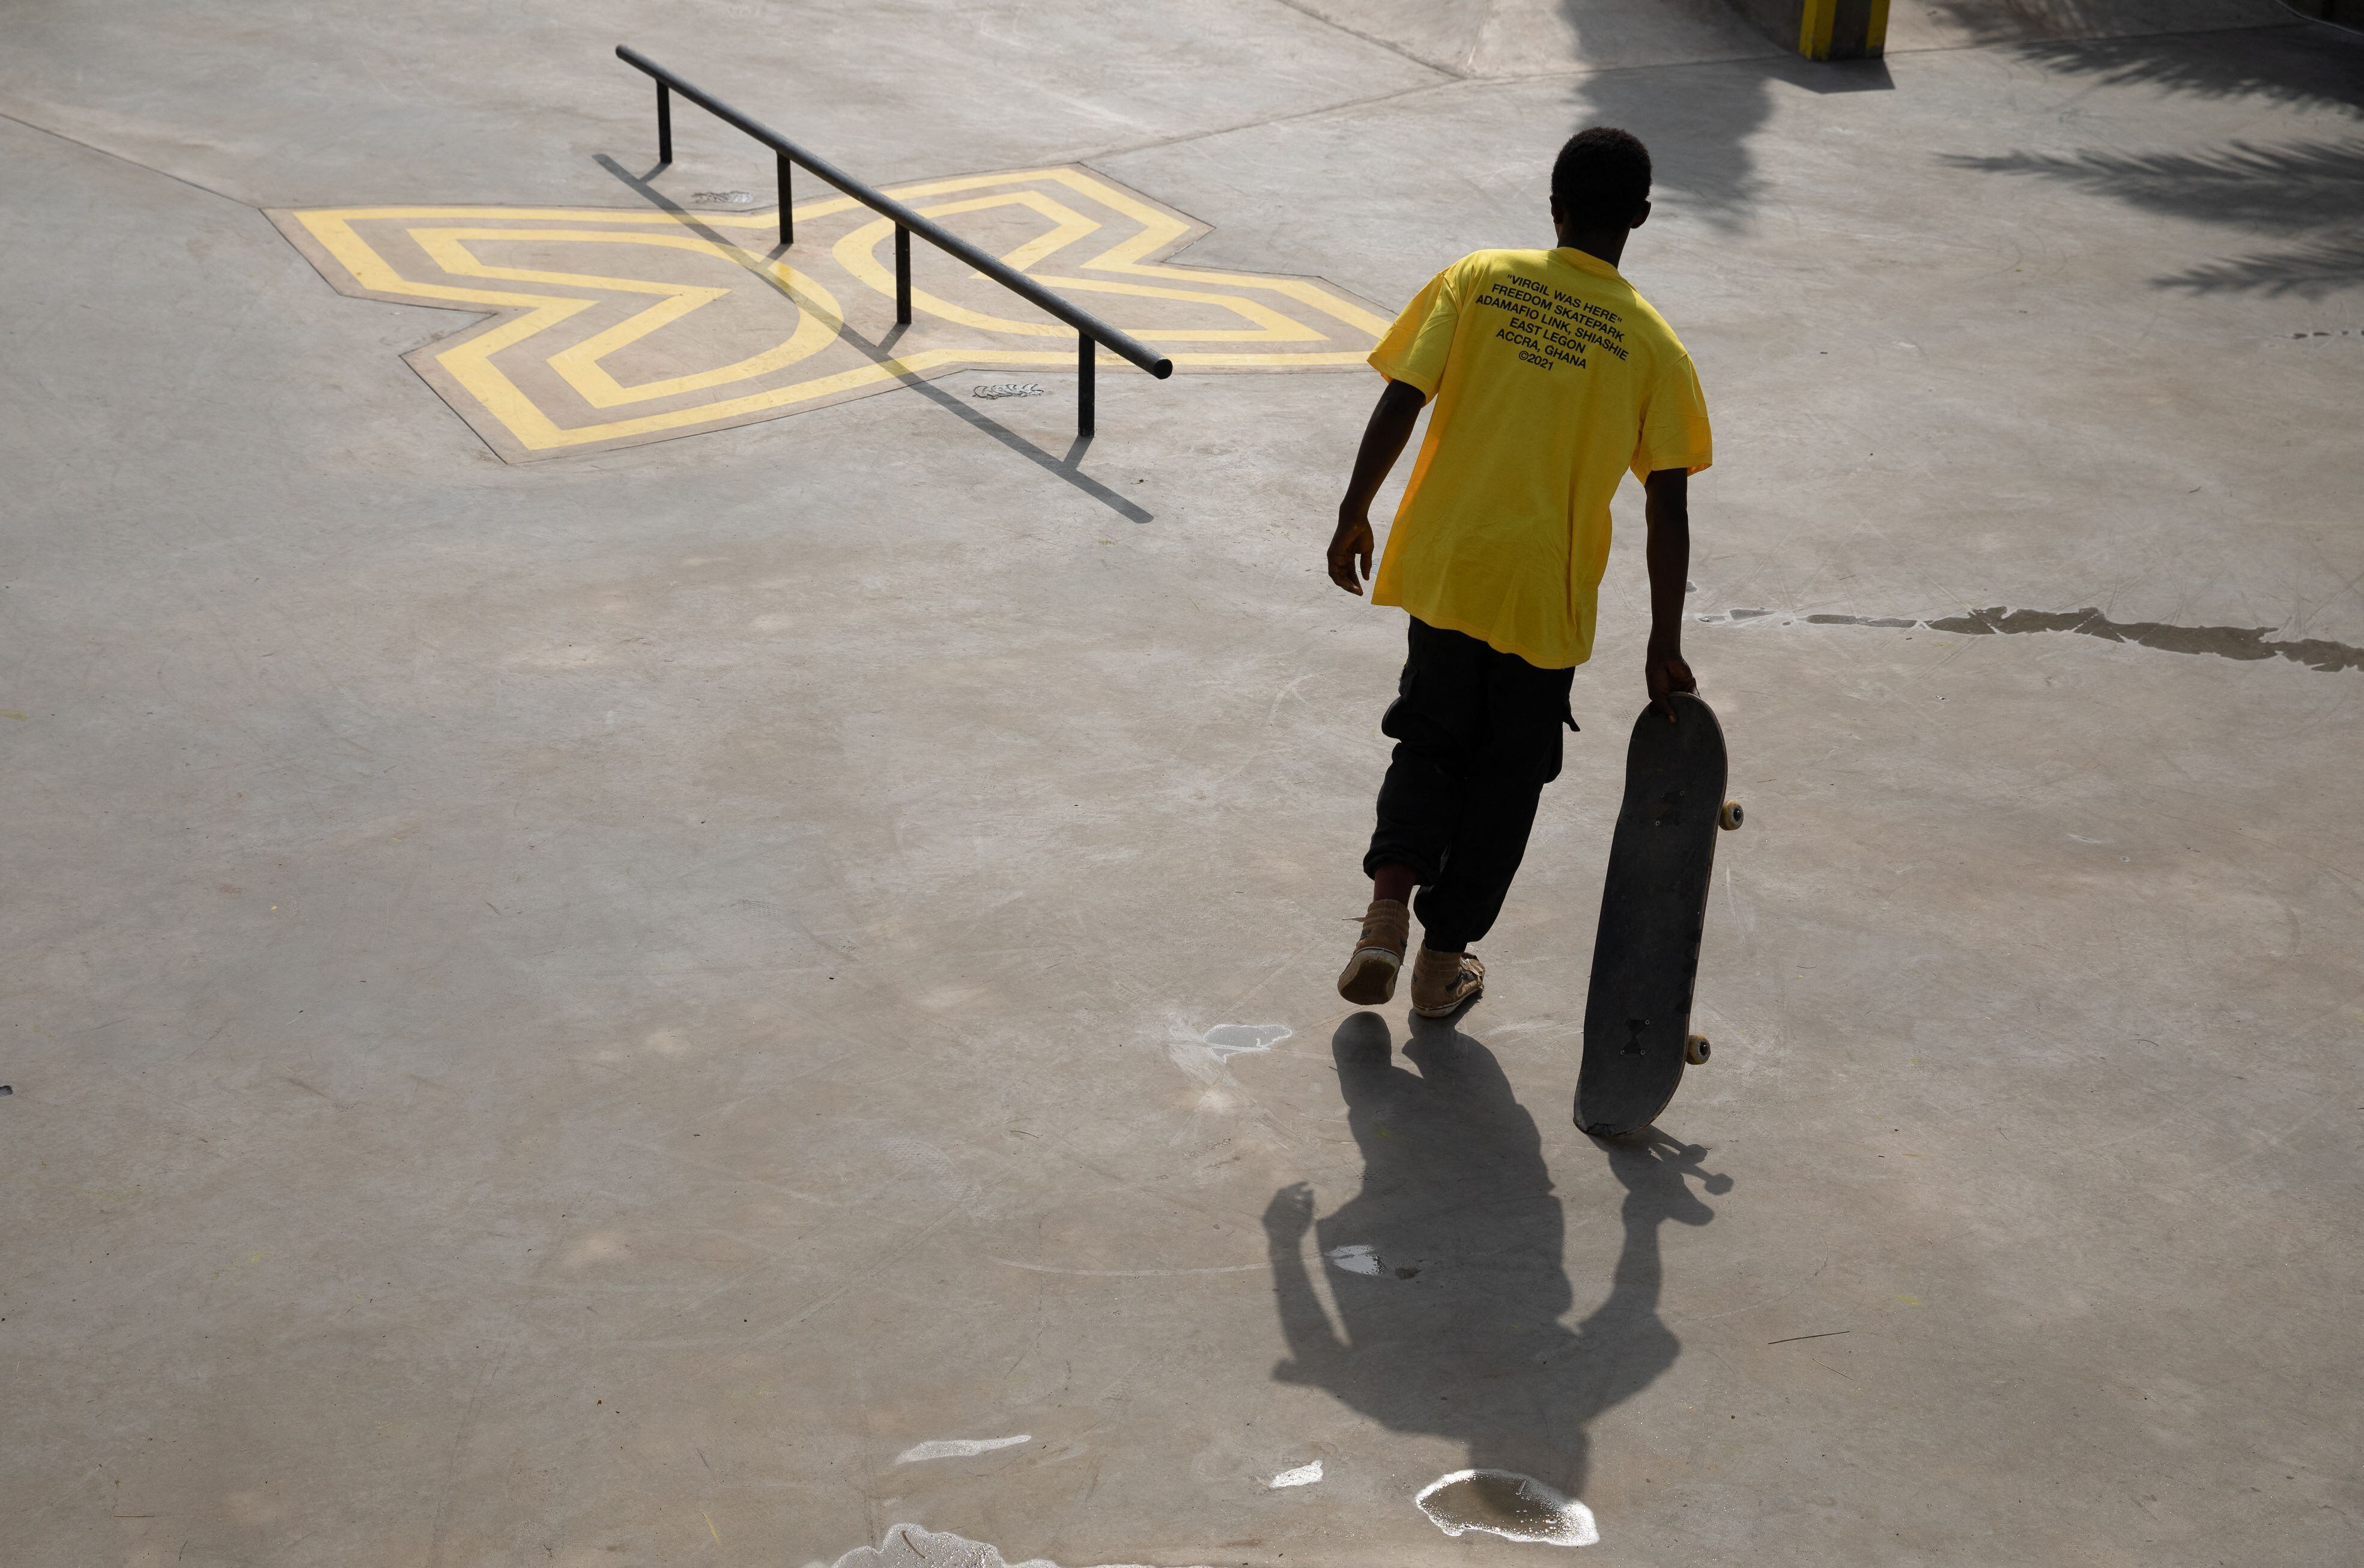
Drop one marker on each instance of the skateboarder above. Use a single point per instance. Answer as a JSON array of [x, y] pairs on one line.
[[1551, 377]]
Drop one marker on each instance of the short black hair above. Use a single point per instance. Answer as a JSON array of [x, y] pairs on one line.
[[1601, 177]]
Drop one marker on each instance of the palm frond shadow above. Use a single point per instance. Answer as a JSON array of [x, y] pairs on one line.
[[2312, 191]]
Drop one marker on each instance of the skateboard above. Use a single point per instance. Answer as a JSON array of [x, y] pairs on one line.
[[1637, 1036]]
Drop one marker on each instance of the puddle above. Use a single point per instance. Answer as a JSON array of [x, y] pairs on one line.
[[959, 1447], [1504, 1503], [1303, 1475], [2224, 641], [2240, 642], [1227, 1040]]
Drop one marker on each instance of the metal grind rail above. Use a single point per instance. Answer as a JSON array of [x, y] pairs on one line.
[[1089, 329]]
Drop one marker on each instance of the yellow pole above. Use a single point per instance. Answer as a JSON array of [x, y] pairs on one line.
[[1814, 22]]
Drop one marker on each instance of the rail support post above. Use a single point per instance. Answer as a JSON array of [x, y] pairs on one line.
[[787, 219], [664, 124], [1087, 416], [902, 275]]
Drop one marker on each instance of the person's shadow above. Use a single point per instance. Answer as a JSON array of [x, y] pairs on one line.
[[1446, 1266]]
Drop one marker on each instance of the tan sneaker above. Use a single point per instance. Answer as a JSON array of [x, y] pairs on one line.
[[1443, 981], [1369, 977]]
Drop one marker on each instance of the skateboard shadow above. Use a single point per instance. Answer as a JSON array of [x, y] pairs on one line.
[[1446, 1268]]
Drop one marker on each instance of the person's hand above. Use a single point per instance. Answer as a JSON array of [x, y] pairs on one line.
[[1350, 548], [1663, 671]]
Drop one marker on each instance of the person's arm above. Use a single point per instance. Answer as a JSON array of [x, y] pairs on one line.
[[1383, 441], [1669, 555]]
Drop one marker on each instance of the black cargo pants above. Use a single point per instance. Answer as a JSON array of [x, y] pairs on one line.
[[1477, 736]]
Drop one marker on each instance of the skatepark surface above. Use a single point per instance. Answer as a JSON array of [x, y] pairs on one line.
[[754, 987]]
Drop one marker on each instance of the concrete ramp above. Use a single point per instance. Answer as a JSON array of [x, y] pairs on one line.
[[1526, 38], [1957, 24]]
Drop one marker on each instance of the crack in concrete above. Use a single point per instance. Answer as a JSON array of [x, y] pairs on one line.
[[1180, 139], [1399, 51], [2243, 642], [40, 129]]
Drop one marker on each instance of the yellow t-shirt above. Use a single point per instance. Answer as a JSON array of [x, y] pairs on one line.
[[1550, 378]]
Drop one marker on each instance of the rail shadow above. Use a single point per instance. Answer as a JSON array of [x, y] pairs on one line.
[[1446, 1267], [880, 350]]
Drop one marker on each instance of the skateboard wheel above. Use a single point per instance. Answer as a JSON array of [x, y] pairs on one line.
[[1731, 817], [1695, 1050]]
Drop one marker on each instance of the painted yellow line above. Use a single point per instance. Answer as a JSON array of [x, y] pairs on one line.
[[1271, 326], [1101, 234], [578, 364], [857, 253]]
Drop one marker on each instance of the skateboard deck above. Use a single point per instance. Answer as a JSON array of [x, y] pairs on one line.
[[1637, 1036]]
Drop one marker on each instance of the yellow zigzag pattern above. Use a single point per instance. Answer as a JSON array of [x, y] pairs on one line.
[[612, 327]]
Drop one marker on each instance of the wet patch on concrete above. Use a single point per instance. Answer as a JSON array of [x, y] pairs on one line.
[[1303, 1475], [959, 1447], [1504, 1503], [1207, 1058], [1227, 1040], [2243, 642], [909, 1546], [2225, 641], [1361, 1257]]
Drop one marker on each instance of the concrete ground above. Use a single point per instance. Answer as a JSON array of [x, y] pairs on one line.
[[585, 1010]]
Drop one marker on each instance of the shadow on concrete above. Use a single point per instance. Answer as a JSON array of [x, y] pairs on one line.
[[1698, 140], [2312, 191], [881, 349], [2293, 64], [1446, 1267], [1697, 124]]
